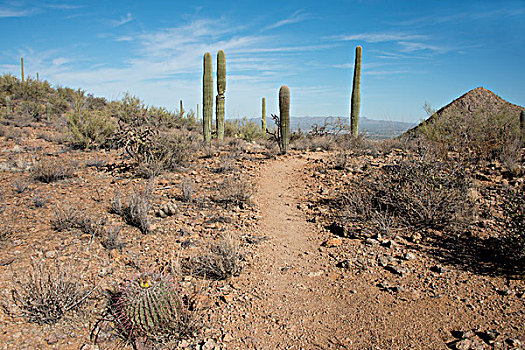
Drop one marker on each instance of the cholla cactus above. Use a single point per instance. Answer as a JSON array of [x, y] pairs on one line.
[[149, 309]]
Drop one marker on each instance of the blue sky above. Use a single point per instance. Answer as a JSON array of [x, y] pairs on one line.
[[413, 51]]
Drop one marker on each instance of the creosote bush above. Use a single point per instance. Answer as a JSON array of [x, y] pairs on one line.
[[47, 293], [134, 210]]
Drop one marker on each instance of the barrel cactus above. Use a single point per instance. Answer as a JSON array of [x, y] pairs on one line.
[[263, 116], [356, 94], [221, 89], [149, 309], [207, 97], [284, 109]]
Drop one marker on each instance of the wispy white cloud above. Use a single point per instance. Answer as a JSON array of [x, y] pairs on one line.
[[296, 17], [12, 12], [123, 20], [378, 37]]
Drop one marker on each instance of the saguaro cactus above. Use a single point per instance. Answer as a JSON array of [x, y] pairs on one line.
[[263, 115], [356, 94], [181, 109], [22, 67], [221, 89], [198, 112], [207, 97], [284, 110]]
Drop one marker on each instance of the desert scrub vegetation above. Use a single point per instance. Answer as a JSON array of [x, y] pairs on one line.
[[221, 260], [149, 311], [46, 293], [415, 193], [236, 191], [512, 239], [52, 169], [134, 209], [88, 127], [475, 137]]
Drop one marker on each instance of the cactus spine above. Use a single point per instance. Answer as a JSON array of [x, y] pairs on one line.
[[22, 67], [263, 116], [207, 97], [284, 110], [356, 94], [181, 109], [221, 89]]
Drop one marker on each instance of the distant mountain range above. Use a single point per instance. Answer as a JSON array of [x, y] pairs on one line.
[[373, 128]]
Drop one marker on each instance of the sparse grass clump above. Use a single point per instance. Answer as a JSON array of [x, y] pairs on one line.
[[68, 218], [235, 191], [222, 260], [51, 169], [187, 187], [47, 293], [134, 210]]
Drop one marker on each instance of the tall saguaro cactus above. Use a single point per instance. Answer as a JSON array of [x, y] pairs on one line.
[[181, 109], [207, 97], [22, 67], [284, 111], [221, 89], [356, 94], [263, 115]]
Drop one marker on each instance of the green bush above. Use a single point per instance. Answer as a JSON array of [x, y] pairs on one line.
[[243, 129]]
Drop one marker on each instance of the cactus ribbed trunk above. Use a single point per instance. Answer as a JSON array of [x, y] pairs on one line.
[[198, 116], [221, 90], [263, 115], [284, 111], [207, 97], [22, 68], [37, 77], [181, 109], [356, 94]]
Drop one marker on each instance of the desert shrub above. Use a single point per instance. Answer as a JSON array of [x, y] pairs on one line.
[[243, 129], [222, 260], [88, 127], [134, 210], [149, 312], [52, 169], [476, 136], [21, 185], [513, 238], [187, 187], [47, 293], [111, 239], [235, 191], [419, 194], [226, 164], [153, 151], [68, 218]]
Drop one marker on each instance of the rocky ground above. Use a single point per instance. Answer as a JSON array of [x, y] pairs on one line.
[[304, 285]]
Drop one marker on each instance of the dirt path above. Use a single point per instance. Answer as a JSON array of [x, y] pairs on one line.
[[293, 295], [288, 304]]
